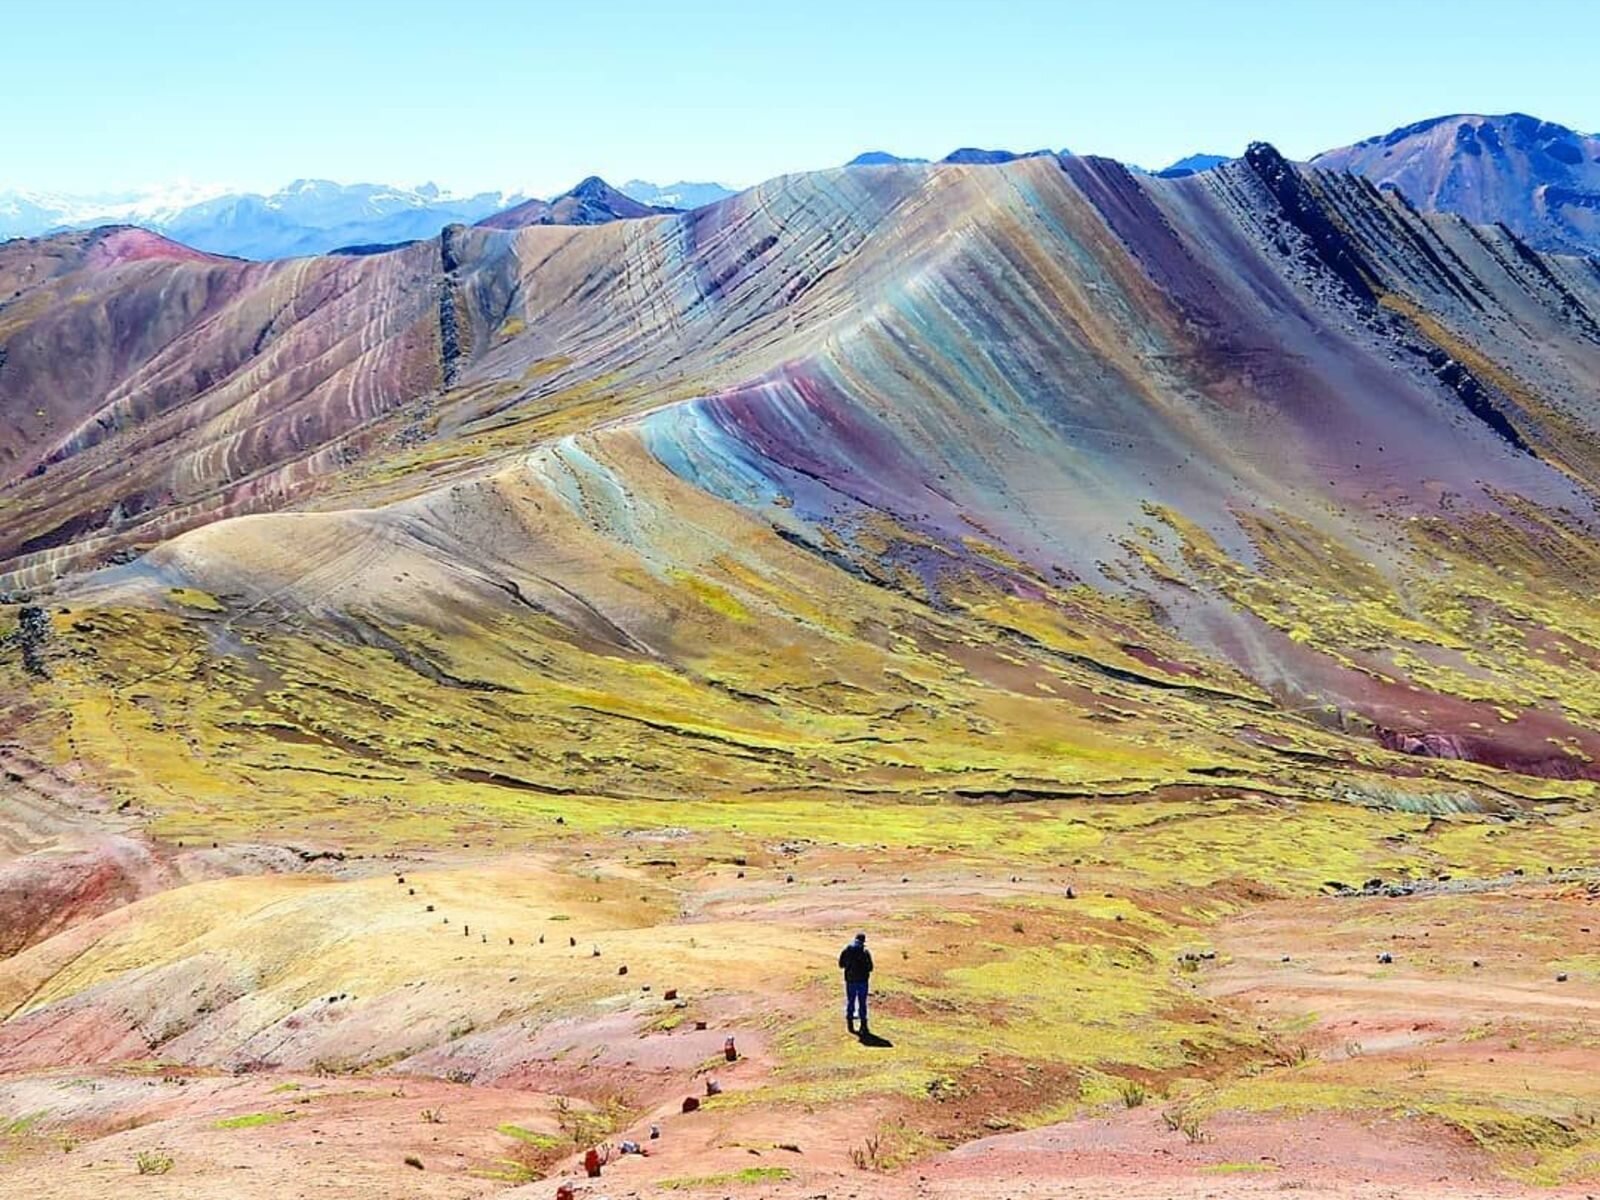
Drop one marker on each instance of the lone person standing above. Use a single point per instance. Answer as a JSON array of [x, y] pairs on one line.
[[856, 963]]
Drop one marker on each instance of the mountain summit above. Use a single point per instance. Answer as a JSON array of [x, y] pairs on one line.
[[592, 202], [1540, 179]]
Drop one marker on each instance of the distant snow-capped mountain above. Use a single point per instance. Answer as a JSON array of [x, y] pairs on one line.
[[309, 216], [682, 195], [26, 213]]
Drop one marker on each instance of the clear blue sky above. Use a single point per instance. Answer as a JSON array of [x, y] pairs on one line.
[[98, 95]]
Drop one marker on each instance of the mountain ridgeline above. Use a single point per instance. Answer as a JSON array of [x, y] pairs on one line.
[[1036, 478]]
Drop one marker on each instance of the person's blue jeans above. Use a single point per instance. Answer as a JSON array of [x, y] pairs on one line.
[[855, 999]]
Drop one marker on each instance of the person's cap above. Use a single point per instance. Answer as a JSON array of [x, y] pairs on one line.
[[861, 937]]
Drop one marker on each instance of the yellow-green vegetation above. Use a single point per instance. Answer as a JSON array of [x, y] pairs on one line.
[[195, 598], [253, 1120], [539, 1141], [1497, 619], [152, 1162], [1238, 1168], [746, 1176]]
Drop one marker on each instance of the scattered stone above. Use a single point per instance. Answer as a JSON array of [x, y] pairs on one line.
[[1071, 895], [670, 994], [429, 908], [713, 1088], [1562, 977], [730, 1051], [1386, 957], [622, 970], [691, 1103], [699, 1024]]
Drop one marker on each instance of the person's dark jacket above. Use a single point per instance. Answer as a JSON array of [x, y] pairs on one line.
[[856, 962]]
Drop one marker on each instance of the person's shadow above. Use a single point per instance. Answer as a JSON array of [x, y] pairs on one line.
[[868, 1038]]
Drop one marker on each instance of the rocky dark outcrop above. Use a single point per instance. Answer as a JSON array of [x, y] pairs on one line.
[[30, 637], [450, 331], [1332, 247]]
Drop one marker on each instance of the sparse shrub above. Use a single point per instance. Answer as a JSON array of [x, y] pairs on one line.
[[1172, 1119], [152, 1162], [433, 1116], [586, 1127], [942, 1088], [411, 1160], [1291, 1056], [1017, 927], [1192, 1131], [869, 1155], [1133, 1093]]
